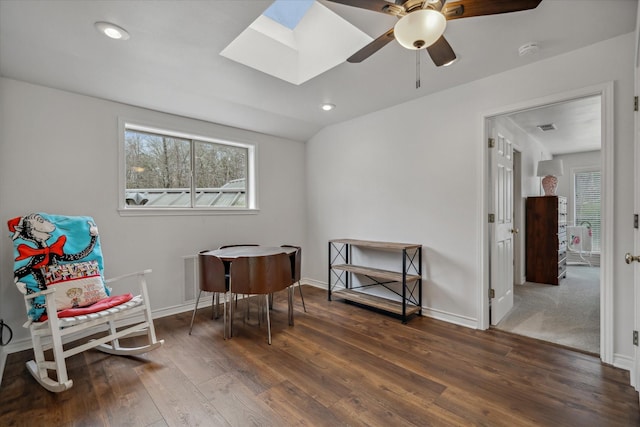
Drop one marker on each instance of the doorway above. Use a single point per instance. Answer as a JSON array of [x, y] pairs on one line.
[[526, 183]]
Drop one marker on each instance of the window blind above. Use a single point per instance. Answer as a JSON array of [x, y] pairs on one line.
[[587, 204]]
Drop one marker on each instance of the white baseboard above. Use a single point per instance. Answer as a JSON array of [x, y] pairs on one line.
[[314, 283], [456, 319], [623, 362]]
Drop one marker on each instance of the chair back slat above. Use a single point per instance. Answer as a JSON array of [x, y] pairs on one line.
[[296, 262], [211, 277], [261, 274]]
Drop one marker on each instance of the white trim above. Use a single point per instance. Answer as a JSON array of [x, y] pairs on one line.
[[635, 363], [606, 93], [623, 362], [607, 218], [445, 316], [185, 211]]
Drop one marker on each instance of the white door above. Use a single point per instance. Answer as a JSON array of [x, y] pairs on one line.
[[635, 371], [501, 230]]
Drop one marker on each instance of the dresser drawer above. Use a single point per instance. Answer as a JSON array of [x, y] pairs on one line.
[[562, 255], [562, 268]]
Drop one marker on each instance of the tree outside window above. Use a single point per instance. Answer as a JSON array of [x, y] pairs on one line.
[[167, 171]]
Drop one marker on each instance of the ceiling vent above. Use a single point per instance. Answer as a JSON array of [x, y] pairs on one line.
[[547, 127]]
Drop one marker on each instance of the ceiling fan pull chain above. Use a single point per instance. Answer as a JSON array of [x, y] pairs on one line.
[[418, 69]]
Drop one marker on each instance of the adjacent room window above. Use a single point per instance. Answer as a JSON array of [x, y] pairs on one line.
[[587, 204], [171, 170]]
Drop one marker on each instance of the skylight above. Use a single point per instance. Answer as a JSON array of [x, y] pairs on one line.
[[288, 13], [295, 40]]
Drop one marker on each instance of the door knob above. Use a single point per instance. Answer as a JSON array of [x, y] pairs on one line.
[[630, 258], [515, 231]]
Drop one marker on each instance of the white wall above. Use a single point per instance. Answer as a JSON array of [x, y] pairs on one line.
[[59, 154], [414, 173]]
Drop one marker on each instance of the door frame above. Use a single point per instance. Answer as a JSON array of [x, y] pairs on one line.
[[635, 369], [606, 93], [518, 216]]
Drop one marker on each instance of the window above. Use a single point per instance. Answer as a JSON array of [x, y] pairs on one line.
[[587, 204], [171, 170]]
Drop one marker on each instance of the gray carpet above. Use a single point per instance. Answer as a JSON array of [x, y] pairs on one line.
[[568, 314]]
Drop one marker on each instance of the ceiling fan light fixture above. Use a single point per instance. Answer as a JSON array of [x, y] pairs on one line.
[[420, 29]]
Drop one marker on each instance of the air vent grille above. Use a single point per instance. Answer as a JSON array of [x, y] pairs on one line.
[[547, 127]]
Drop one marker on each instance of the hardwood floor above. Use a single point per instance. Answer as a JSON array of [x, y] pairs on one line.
[[339, 365]]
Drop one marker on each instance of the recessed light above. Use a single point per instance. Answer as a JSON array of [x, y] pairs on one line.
[[112, 31], [327, 107]]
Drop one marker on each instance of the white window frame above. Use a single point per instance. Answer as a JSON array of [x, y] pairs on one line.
[[583, 169], [143, 126]]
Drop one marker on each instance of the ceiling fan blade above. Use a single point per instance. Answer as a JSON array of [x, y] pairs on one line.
[[441, 52], [469, 8], [372, 47], [375, 5]]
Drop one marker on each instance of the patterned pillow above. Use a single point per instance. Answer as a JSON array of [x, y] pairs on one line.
[[76, 285]]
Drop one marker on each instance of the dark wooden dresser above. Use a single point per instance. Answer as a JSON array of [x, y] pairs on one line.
[[546, 239]]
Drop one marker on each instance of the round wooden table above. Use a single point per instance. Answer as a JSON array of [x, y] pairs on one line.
[[232, 252], [228, 254]]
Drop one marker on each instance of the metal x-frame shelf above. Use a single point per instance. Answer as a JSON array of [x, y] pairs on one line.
[[341, 272]]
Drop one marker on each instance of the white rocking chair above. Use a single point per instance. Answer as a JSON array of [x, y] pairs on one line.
[[132, 316]]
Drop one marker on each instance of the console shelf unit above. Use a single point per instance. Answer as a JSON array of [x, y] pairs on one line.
[[409, 277]]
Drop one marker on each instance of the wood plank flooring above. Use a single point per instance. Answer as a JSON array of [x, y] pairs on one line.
[[340, 365]]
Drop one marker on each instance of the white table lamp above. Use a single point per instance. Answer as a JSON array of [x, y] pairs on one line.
[[550, 170]]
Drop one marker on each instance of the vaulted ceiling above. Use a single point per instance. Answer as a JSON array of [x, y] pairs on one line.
[[172, 61]]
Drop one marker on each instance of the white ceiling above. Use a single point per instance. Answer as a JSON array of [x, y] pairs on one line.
[[171, 62], [577, 125]]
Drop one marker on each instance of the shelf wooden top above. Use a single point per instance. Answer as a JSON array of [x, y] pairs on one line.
[[379, 245]]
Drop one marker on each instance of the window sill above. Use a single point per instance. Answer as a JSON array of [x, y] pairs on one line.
[[184, 212]]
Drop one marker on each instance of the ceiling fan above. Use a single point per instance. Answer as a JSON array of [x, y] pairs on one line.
[[422, 22]]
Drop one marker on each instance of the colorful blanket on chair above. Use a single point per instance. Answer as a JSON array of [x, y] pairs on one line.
[[43, 242]]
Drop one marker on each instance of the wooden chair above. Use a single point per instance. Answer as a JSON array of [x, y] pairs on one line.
[[296, 266], [261, 275], [212, 278], [233, 246], [65, 251]]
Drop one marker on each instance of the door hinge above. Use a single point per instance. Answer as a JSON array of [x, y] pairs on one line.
[[635, 338], [635, 103], [492, 142], [492, 218], [492, 293], [635, 220]]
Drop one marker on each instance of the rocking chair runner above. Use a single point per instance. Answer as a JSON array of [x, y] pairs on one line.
[[58, 268]]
